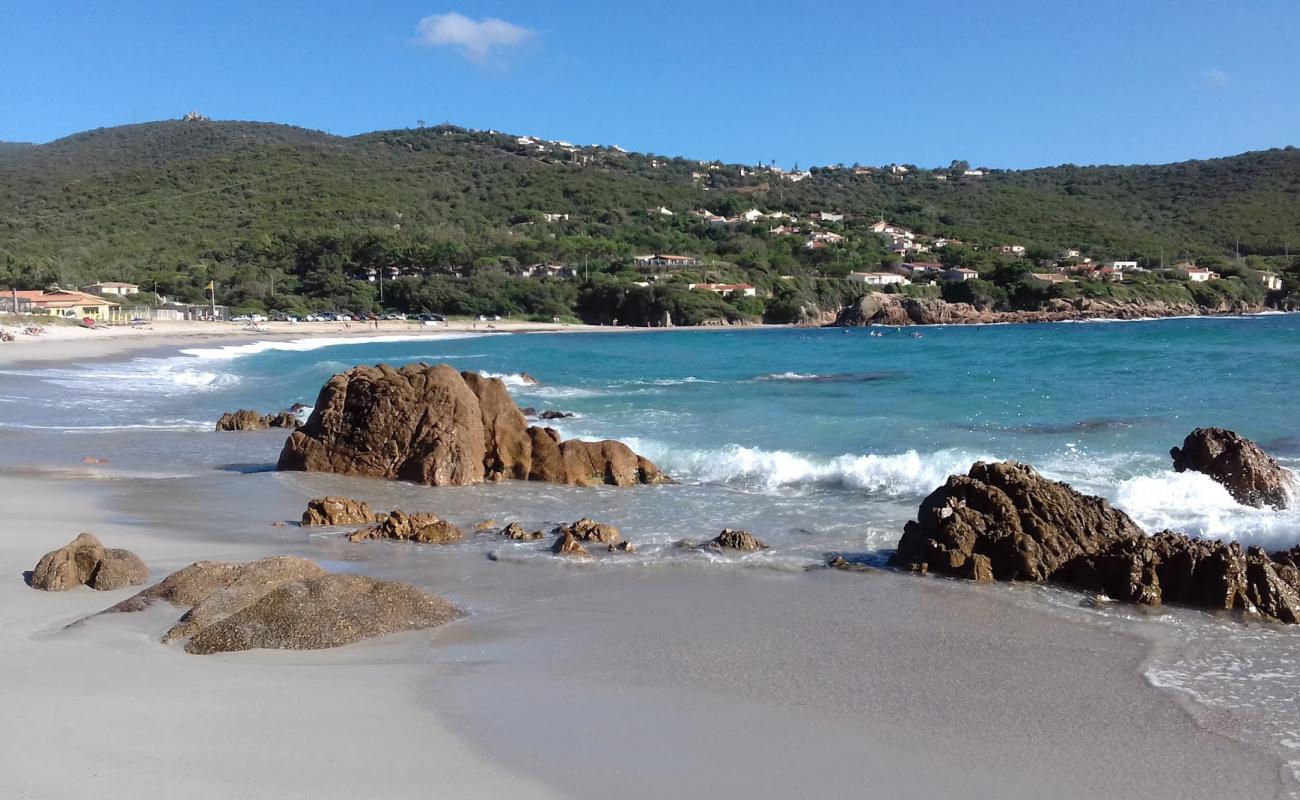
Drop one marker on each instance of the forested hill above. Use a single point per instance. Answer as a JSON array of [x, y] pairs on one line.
[[180, 202]]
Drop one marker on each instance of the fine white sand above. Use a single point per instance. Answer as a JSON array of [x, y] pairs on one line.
[[576, 680], [105, 710]]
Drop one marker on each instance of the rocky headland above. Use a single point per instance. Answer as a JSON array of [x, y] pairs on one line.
[[881, 308]]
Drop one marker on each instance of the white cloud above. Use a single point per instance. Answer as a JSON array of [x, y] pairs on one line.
[[473, 39], [1215, 78]]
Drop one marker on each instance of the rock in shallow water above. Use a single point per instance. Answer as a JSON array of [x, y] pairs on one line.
[[285, 602], [1245, 470], [333, 510], [247, 420], [86, 562], [422, 528], [1005, 522], [440, 427]]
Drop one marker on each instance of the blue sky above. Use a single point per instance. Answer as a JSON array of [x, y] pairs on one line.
[[1005, 83]]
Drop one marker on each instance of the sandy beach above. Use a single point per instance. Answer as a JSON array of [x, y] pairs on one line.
[[565, 680]]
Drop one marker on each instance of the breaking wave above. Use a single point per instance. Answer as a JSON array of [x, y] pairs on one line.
[[229, 351], [902, 474], [1197, 505]]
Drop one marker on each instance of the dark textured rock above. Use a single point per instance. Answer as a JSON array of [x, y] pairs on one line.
[[86, 562], [436, 426], [242, 420], [588, 530], [1005, 522], [880, 308], [548, 415], [399, 525], [735, 540], [566, 544], [621, 547], [1246, 471], [518, 533], [333, 510]]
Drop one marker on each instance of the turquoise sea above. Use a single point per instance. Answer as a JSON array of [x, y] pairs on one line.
[[819, 439]]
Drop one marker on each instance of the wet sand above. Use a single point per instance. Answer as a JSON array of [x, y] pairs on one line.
[[573, 680]]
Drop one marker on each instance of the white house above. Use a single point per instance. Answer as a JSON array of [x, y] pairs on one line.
[[920, 269], [752, 215], [960, 274], [974, 173], [725, 289], [1197, 274], [1271, 280], [661, 211], [825, 216], [1122, 266], [1050, 277], [883, 228], [112, 287], [1011, 249], [878, 278], [555, 217]]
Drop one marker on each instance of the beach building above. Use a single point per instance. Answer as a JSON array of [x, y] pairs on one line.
[[725, 289], [960, 274], [878, 278], [113, 288], [67, 303]]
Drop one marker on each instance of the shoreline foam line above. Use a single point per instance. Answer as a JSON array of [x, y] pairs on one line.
[[232, 351]]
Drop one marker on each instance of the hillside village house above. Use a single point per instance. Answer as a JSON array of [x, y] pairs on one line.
[[1050, 277], [1271, 280], [960, 274], [1122, 266], [920, 269], [878, 278], [555, 217], [67, 303], [1196, 274], [824, 216], [883, 228], [725, 289], [113, 288], [663, 261], [1011, 249]]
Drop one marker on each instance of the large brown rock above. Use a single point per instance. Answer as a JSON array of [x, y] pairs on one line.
[[328, 611], [731, 539], [1006, 522], [589, 530], [86, 562], [422, 528], [285, 602], [436, 426], [334, 510], [880, 308], [1246, 471]]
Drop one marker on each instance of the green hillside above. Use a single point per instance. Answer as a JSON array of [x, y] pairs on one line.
[[287, 218]]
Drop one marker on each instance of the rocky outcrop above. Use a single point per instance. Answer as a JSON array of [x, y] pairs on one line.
[[399, 525], [1246, 471], [86, 562], [436, 426], [588, 530], [550, 415], [246, 420], [566, 544], [334, 510], [735, 540], [880, 308], [519, 533], [1005, 522], [287, 603]]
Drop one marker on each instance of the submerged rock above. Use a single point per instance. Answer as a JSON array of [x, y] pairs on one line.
[[566, 544], [548, 415], [484, 526], [1005, 522], [735, 540], [285, 602], [86, 562], [1246, 471], [440, 427], [518, 533], [588, 530], [334, 510], [422, 528]]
